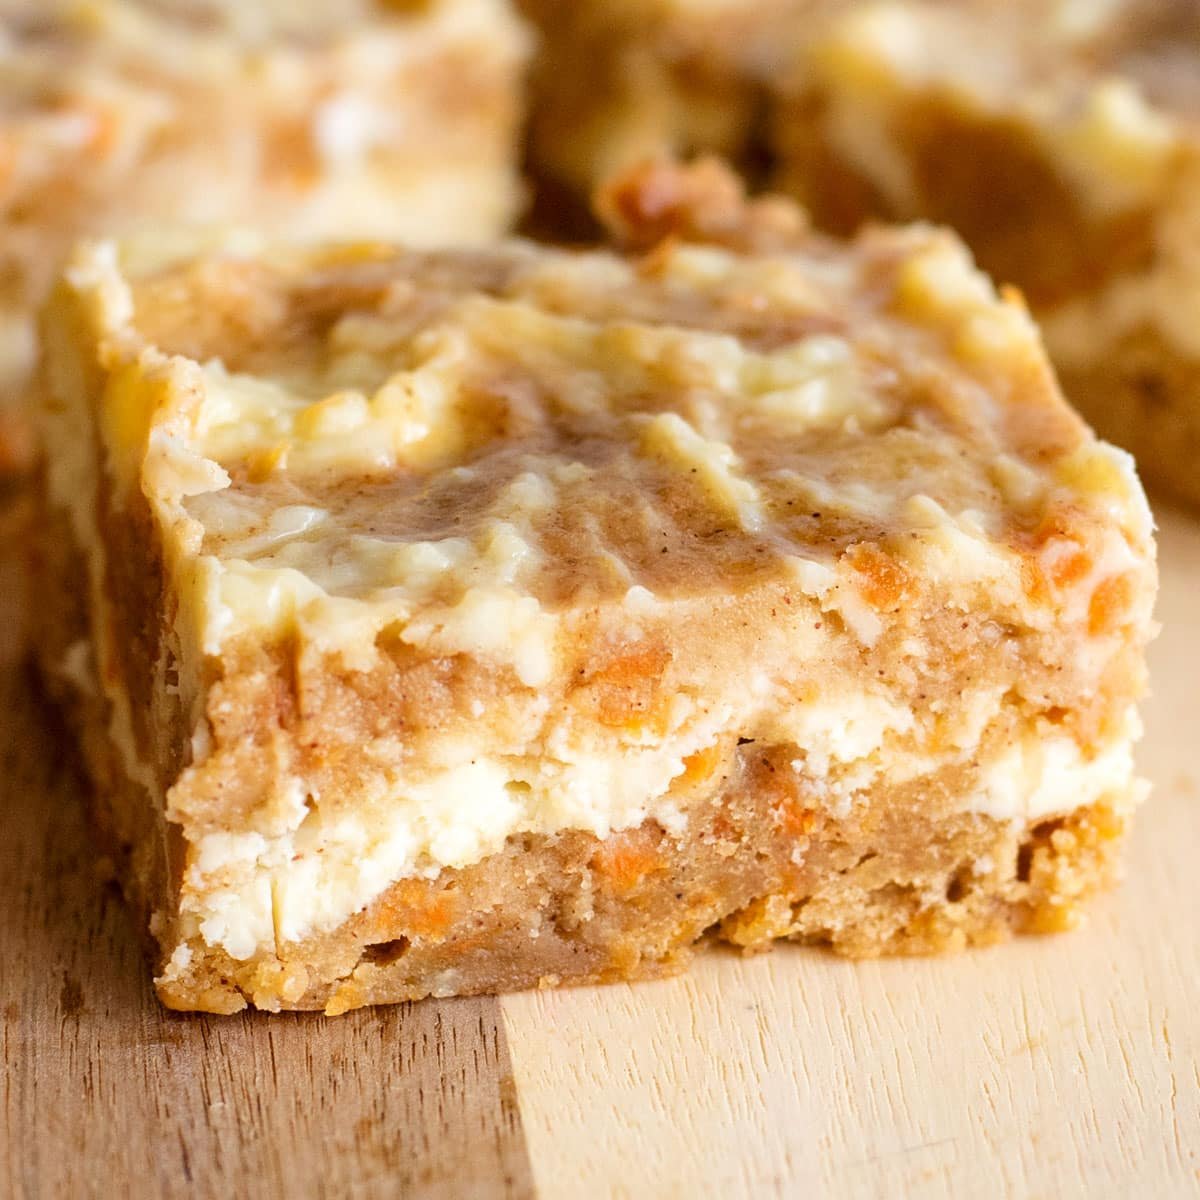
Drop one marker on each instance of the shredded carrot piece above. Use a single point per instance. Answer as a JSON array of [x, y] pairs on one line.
[[700, 766], [1071, 568], [625, 860], [626, 692], [885, 581], [795, 818], [1110, 605], [412, 907], [1033, 580]]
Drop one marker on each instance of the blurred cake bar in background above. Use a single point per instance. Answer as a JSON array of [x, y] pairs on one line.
[[618, 81], [354, 118], [438, 622], [1062, 140]]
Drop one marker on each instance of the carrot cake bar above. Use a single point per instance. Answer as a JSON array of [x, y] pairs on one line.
[[439, 622], [356, 118], [617, 81], [1062, 140]]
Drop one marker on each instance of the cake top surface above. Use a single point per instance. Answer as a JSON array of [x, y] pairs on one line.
[[518, 431]]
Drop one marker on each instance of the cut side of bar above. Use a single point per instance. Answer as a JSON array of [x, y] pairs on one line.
[[439, 622], [1062, 141]]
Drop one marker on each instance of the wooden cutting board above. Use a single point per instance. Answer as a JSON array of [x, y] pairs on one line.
[[1066, 1066]]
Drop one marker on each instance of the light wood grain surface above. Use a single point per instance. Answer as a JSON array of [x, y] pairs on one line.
[[1054, 1067], [1051, 1067]]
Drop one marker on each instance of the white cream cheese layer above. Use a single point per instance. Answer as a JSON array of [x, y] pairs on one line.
[[249, 892], [1039, 775]]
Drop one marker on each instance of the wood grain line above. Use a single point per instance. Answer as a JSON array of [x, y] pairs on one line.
[[103, 1093]]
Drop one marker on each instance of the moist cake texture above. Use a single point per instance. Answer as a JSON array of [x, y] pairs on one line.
[[1062, 140], [358, 118], [457, 621]]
